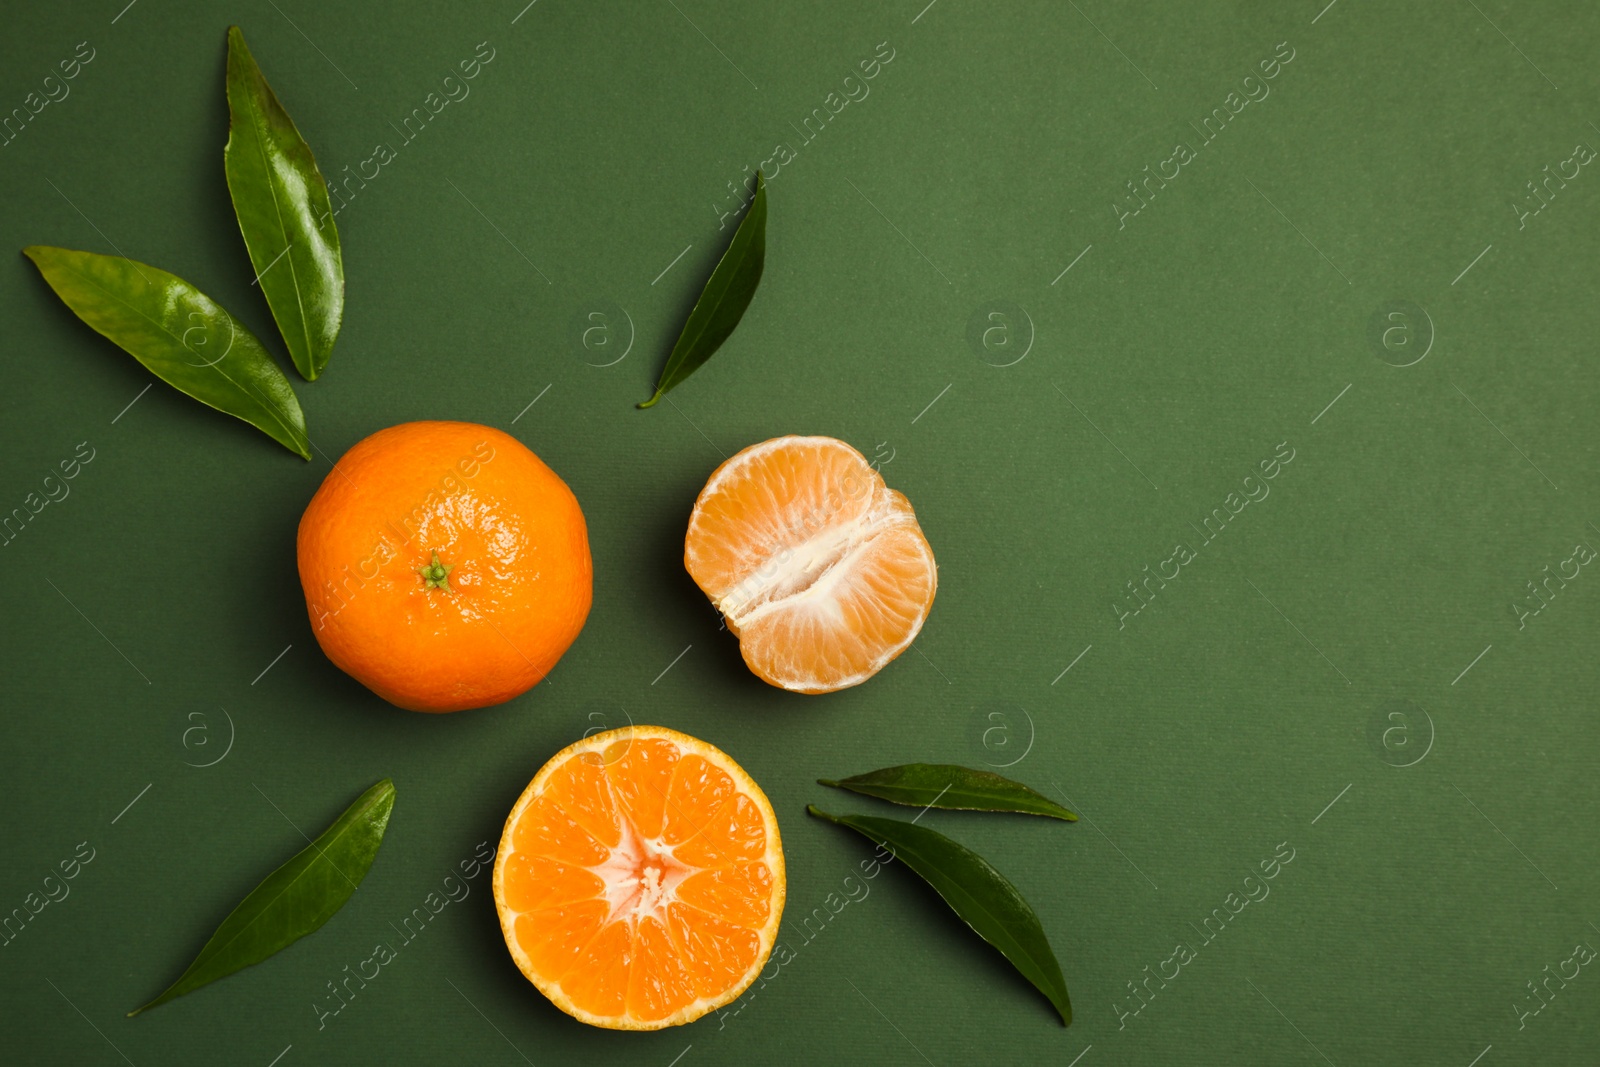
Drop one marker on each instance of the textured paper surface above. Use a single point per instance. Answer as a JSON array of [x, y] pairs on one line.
[[1339, 274]]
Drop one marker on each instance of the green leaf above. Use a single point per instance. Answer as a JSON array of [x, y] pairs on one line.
[[723, 301], [295, 899], [944, 785], [183, 336], [978, 893], [282, 203]]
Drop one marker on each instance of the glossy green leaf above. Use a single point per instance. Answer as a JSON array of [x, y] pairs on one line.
[[723, 301], [183, 336], [284, 213], [945, 785], [295, 899], [976, 892]]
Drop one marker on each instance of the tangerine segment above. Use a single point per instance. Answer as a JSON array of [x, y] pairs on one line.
[[640, 879], [709, 946], [818, 566], [589, 983]]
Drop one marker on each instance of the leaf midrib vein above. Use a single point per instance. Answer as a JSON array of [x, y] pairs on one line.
[[257, 125], [293, 433], [206, 957], [978, 905], [686, 343]]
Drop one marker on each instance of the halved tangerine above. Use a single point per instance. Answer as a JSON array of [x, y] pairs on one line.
[[640, 879], [817, 565]]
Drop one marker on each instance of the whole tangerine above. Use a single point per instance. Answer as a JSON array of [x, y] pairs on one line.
[[444, 565]]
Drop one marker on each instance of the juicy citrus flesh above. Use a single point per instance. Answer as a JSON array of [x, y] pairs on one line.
[[817, 565], [519, 581], [640, 879]]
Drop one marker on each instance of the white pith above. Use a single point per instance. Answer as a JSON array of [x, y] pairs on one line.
[[811, 572], [641, 877]]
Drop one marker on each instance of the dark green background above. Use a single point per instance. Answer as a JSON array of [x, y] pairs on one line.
[[1173, 356]]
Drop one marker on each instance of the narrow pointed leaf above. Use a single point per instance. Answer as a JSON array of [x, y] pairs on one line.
[[723, 301], [181, 335], [945, 785], [284, 213], [295, 899], [982, 896]]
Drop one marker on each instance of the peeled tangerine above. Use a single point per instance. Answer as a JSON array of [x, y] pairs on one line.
[[640, 879], [818, 567]]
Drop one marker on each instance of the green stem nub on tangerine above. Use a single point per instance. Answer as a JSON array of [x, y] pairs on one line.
[[436, 575]]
